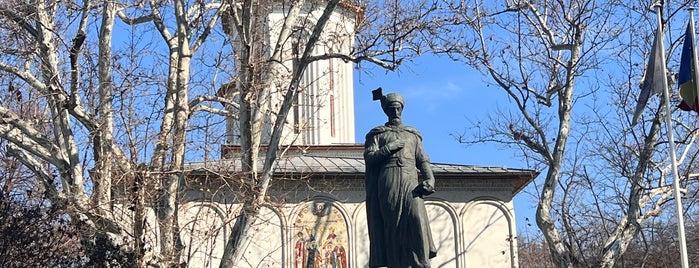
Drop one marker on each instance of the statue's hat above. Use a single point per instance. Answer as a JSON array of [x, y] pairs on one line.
[[388, 98]]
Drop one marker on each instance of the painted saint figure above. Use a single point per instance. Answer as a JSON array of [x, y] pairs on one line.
[[300, 251], [399, 230]]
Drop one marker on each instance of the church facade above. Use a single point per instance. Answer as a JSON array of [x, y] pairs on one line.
[[316, 215]]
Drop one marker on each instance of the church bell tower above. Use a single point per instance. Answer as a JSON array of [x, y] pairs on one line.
[[323, 110]]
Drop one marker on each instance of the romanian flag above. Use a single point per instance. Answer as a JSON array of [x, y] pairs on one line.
[[653, 80], [687, 79]]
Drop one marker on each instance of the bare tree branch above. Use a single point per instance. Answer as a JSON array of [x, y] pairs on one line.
[[134, 21], [220, 8], [225, 101], [15, 129], [19, 19], [212, 110], [33, 164], [26, 76]]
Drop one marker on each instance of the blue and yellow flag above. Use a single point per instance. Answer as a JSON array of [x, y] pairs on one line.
[[687, 80]]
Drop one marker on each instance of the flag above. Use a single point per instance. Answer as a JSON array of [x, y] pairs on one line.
[[653, 80], [687, 80]]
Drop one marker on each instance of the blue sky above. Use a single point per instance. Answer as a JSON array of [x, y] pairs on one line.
[[442, 97]]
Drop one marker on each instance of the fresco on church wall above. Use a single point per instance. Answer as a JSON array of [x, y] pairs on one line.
[[321, 237]]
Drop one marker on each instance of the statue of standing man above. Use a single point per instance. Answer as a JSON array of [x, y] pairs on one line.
[[399, 230]]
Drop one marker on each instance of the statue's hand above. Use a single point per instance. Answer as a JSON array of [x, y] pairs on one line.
[[423, 189], [395, 146]]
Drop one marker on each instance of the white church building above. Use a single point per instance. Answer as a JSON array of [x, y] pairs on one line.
[[316, 215]]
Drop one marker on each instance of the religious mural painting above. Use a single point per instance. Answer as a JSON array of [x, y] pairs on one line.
[[321, 238]]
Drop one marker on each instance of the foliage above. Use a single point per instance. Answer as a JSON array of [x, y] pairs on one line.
[[32, 233]]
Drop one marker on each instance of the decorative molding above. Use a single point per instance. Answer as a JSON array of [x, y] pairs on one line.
[[355, 183]]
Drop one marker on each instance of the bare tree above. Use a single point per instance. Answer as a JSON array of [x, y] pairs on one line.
[[556, 60], [41, 64], [192, 24], [38, 59], [112, 138]]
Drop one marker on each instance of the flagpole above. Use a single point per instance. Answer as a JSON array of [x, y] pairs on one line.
[[673, 150]]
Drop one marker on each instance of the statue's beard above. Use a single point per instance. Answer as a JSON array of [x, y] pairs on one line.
[[395, 121]]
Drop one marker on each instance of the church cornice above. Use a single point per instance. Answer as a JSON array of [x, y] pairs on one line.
[[345, 161]]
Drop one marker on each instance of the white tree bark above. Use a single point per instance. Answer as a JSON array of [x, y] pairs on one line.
[[104, 144]]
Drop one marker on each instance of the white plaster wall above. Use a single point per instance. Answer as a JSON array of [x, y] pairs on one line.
[[267, 246], [444, 224], [488, 230], [361, 253], [203, 233], [467, 233]]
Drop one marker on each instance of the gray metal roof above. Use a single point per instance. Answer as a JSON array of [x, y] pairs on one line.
[[319, 164], [327, 164]]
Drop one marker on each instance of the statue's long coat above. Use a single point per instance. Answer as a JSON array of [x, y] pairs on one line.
[[399, 230]]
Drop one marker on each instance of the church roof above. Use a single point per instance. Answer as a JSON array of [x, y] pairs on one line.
[[351, 164]]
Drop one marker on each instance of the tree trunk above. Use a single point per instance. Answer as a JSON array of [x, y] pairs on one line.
[[103, 141], [253, 108]]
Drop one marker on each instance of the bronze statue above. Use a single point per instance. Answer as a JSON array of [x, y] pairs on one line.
[[399, 230]]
